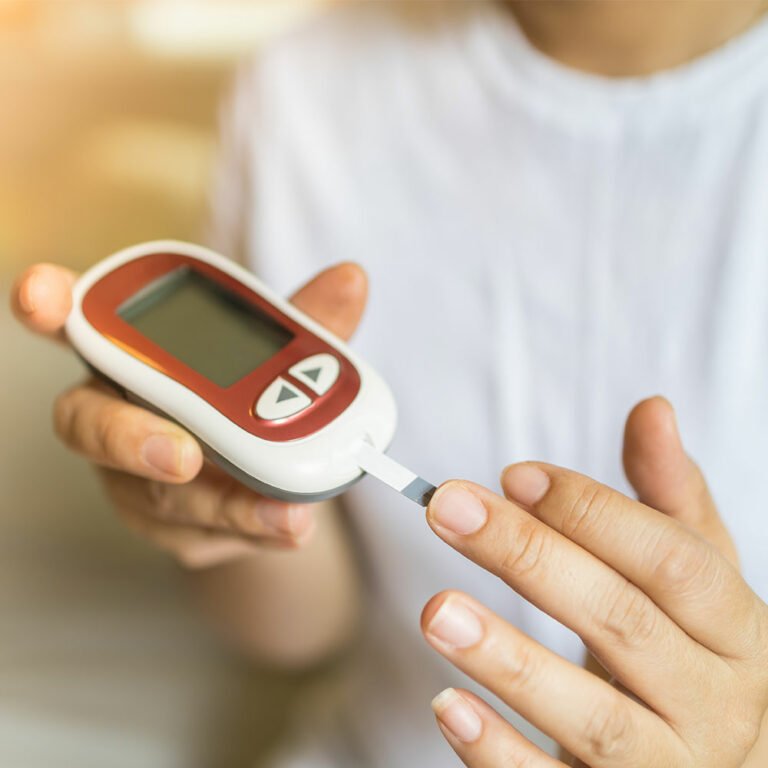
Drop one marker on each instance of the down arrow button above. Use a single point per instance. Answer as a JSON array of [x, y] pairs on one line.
[[285, 394], [280, 400]]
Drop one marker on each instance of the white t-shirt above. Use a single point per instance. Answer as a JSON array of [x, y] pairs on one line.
[[545, 248]]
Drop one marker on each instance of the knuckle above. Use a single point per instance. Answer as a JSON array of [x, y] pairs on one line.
[[521, 668], [628, 616], [587, 510], [684, 565], [528, 551], [609, 731]]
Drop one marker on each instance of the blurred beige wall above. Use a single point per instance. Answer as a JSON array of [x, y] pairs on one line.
[[108, 116], [107, 129]]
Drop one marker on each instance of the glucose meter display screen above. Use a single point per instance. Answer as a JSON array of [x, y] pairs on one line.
[[206, 327]]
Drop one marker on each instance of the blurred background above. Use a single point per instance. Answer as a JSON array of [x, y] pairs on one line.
[[107, 132]]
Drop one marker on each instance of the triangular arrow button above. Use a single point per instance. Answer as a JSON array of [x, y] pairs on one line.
[[285, 394], [319, 372]]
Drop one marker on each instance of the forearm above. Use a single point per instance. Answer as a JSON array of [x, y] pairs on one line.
[[291, 608]]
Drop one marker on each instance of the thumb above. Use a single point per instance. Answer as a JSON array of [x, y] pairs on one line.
[[335, 298], [665, 477]]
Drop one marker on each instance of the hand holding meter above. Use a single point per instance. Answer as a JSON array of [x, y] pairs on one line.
[[275, 399]]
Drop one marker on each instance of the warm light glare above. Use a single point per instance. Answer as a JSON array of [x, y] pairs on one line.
[[173, 27]]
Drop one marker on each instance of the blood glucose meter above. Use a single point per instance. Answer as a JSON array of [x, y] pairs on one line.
[[275, 399]]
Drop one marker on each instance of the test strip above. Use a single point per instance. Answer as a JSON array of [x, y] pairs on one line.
[[394, 475]]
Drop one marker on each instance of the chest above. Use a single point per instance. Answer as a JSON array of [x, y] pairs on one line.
[[527, 289]]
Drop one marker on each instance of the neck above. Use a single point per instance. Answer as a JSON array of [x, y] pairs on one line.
[[622, 38]]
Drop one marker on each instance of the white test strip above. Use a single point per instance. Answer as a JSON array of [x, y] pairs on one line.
[[394, 475]]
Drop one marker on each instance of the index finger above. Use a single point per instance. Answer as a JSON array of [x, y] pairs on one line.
[[680, 571], [622, 625], [42, 297]]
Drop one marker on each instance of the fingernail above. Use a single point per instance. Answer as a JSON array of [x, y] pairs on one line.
[[457, 715], [456, 624], [525, 484], [457, 509], [167, 453]]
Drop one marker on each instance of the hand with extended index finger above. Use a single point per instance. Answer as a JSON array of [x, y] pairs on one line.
[[653, 592], [153, 469]]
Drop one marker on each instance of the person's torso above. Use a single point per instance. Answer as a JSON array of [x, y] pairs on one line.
[[544, 250]]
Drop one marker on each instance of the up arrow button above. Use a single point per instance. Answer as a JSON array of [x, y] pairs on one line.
[[317, 372]]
